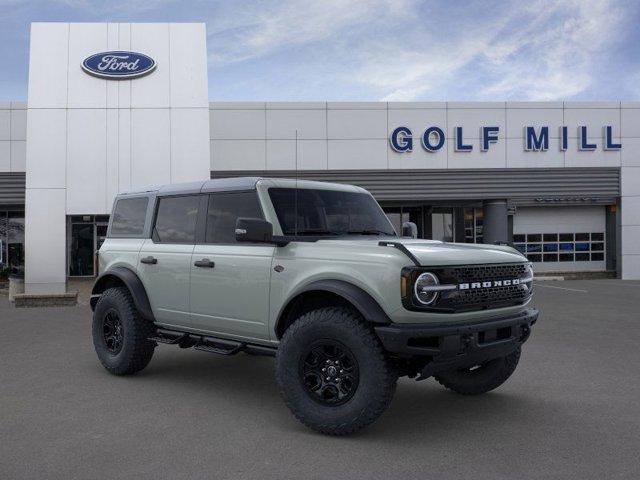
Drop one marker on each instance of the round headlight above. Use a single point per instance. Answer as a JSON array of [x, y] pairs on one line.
[[527, 280], [422, 288]]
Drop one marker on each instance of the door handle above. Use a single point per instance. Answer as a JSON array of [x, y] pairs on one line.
[[204, 263], [149, 260]]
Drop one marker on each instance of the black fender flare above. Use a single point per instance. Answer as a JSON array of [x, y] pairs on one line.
[[132, 282], [366, 305]]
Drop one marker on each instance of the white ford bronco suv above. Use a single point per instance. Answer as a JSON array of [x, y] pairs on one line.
[[314, 274]]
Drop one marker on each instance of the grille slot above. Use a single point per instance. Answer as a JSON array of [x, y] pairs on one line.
[[477, 273], [493, 294]]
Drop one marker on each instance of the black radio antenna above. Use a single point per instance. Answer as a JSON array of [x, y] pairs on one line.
[[295, 194]]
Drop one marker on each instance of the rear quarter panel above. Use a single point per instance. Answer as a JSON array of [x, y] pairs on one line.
[[119, 252]]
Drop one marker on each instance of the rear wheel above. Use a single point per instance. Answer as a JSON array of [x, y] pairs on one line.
[[333, 373], [120, 335], [480, 378]]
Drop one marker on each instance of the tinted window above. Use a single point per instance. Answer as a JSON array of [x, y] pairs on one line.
[[128, 216], [176, 219], [328, 212], [224, 210]]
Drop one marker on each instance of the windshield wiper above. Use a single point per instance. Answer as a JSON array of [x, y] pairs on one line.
[[370, 232]]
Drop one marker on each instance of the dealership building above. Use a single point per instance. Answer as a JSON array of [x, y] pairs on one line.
[[119, 106]]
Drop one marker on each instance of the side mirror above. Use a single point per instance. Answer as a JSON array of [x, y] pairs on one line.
[[253, 230], [409, 229]]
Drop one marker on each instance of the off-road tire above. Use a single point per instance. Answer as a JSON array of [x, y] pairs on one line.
[[376, 375], [136, 350], [485, 378]]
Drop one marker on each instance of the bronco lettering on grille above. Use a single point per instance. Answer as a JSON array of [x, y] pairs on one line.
[[488, 284]]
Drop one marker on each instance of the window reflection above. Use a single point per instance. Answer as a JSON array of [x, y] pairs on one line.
[[573, 247]]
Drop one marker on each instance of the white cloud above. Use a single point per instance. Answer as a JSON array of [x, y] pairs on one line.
[[393, 49], [405, 49], [259, 31], [545, 51], [559, 58]]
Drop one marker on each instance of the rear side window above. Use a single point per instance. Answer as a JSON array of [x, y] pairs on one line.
[[129, 216], [224, 209], [176, 219]]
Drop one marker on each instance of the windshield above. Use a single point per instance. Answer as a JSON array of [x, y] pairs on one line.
[[328, 212]]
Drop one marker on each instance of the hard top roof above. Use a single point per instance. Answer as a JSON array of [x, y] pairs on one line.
[[237, 183]]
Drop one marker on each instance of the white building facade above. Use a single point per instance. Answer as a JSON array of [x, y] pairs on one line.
[[560, 180]]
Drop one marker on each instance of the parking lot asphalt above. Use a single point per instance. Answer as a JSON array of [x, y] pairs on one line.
[[571, 410]]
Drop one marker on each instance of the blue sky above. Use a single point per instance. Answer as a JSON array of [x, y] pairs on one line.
[[378, 49]]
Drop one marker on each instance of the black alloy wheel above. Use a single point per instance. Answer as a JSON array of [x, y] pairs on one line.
[[329, 372], [112, 332]]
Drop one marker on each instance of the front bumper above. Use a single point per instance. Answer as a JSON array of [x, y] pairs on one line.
[[451, 346]]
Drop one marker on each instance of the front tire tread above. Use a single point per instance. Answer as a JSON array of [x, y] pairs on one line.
[[385, 375]]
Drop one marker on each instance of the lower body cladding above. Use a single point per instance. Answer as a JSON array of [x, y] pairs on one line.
[[446, 347]]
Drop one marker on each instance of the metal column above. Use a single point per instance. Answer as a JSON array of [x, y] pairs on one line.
[[495, 221]]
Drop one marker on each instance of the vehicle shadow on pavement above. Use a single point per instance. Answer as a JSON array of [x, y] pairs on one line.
[[248, 383], [427, 407]]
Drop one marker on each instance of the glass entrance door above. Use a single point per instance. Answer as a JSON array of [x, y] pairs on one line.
[[85, 236], [442, 226], [101, 234], [82, 250]]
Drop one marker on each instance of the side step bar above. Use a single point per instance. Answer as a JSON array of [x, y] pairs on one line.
[[205, 343]]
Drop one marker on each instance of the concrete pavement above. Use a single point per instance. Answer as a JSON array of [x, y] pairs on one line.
[[571, 410]]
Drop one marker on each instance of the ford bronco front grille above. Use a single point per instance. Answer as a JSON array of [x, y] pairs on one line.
[[495, 286], [477, 287]]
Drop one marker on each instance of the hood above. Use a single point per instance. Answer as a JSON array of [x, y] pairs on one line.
[[436, 253]]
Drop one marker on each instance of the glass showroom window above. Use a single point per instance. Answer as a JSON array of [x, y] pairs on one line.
[[561, 247], [11, 242], [473, 225], [398, 215], [442, 226]]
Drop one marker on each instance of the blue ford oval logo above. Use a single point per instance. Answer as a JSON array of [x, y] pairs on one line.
[[118, 65]]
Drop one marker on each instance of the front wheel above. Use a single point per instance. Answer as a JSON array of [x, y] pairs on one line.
[[480, 378], [333, 373], [120, 335]]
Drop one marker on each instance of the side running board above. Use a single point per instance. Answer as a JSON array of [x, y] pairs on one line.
[[205, 343], [402, 248], [220, 350]]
